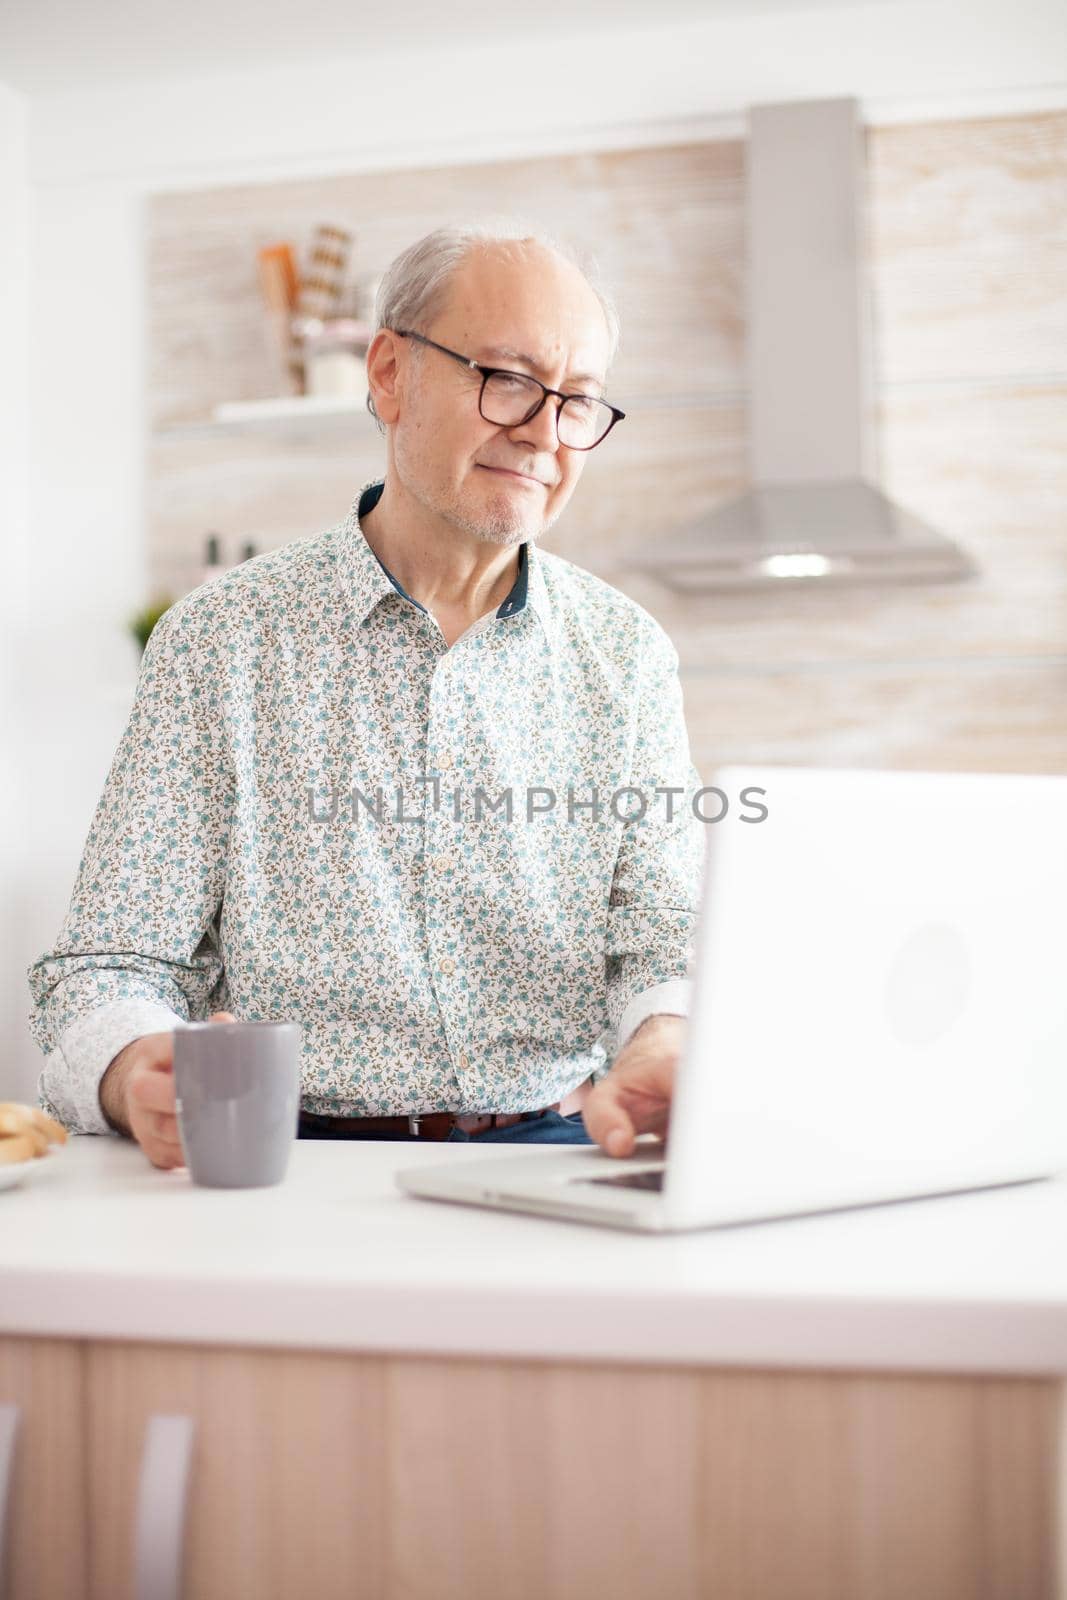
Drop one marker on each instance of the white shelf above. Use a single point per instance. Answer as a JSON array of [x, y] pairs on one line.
[[284, 408], [274, 415], [297, 413]]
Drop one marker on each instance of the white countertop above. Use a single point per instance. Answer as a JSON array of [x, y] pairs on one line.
[[97, 1243]]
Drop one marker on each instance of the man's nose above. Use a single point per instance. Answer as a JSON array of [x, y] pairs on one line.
[[540, 431]]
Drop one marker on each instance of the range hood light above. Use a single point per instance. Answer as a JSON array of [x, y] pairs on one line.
[[798, 566]]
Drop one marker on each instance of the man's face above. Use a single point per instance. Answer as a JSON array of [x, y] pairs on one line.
[[504, 485]]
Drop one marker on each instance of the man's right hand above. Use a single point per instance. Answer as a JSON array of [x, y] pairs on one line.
[[635, 1096], [138, 1099]]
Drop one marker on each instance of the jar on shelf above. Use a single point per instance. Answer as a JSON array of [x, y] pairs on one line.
[[335, 350]]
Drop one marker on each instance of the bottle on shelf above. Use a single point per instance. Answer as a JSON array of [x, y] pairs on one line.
[[280, 286], [319, 290], [213, 563]]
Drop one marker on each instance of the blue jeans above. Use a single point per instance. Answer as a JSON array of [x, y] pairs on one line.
[[549, 1128]]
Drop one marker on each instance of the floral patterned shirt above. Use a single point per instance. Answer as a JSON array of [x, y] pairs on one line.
[[320, 812]]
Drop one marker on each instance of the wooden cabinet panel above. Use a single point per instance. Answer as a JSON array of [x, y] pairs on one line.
[[46, 1527], [286, 1497], [340, 1475], [538, 1482]]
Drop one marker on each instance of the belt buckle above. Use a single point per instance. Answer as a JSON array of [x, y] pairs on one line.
[[413, 1124], [473, 1122]]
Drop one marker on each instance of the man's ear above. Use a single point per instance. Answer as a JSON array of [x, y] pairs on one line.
[[383, 373]]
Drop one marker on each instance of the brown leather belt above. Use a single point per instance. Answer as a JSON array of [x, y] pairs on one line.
[[421, 1124]]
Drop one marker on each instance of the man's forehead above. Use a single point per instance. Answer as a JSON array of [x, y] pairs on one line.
[[529, 309]]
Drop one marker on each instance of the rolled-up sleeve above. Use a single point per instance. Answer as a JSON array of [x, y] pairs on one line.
[[138, 951], [655, 892]]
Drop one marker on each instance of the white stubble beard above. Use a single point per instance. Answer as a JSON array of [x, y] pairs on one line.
[[501, 524]]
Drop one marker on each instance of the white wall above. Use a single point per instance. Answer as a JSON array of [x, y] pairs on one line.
[[93, 155], [14, 527]]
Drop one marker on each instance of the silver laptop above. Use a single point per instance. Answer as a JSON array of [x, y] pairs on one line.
[[879, 1011]]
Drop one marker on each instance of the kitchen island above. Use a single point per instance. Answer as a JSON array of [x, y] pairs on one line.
[[328, 1388]]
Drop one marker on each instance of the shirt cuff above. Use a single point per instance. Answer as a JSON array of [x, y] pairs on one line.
[[663, 999], [70, 1082]]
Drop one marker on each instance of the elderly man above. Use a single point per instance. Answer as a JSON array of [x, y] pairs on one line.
[[412, 782]]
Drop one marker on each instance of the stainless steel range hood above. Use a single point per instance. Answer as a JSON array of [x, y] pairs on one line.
[[812, 515]]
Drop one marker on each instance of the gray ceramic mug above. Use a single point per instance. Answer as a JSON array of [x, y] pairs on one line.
[[237, 1086]]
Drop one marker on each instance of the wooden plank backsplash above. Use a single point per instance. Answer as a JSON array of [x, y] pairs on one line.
[[967, 230]]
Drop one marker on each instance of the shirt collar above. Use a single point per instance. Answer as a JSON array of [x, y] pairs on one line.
[[372, 581]]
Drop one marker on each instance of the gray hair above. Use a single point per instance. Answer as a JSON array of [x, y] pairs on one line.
[[415, 285]]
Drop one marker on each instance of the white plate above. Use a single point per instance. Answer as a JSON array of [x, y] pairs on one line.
[[13, 1172]]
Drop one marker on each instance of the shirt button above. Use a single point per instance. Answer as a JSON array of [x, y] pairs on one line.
[[463, 1062], [442, 863], [446, 965], [444, 760]]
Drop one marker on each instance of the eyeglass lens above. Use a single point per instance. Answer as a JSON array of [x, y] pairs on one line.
[[507, 398]]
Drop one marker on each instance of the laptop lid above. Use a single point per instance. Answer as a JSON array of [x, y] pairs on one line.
[[880, 1008]]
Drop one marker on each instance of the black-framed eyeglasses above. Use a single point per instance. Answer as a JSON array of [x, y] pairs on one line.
[[510, 399]]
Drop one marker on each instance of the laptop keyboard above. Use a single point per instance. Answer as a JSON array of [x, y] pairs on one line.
[[631, 1180]]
